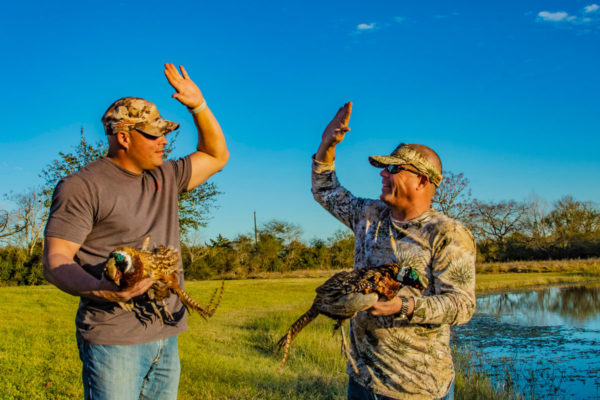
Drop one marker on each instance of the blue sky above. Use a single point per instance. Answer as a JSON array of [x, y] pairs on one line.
[[506, 92]]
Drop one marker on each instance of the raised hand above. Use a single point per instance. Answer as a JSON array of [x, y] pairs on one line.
[[337, 128], [188, 93], [334, 134]]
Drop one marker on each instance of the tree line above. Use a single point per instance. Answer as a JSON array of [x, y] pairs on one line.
[[506, 230], [531, 229]]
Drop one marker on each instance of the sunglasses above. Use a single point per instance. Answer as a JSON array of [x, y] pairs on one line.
[[149, 137], [394, 169]]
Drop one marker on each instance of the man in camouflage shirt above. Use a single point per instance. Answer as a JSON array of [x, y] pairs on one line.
[[401, 346]]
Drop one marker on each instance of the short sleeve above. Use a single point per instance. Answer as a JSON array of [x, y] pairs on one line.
[[183, 172], [72, 211]]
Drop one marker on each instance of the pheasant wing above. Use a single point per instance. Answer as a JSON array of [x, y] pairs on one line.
[[346, 306]]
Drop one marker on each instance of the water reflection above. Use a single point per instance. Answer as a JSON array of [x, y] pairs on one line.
[[546, 342], [577, 306]]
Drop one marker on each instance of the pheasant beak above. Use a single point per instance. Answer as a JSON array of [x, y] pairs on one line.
[[117, 278], [112, 272]]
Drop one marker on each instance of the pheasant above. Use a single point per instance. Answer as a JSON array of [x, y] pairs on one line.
[[126, 266], [346, 293]]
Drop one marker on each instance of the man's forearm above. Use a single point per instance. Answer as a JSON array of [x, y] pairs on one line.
[[447, 308], [211, 140], [69, 277], [212, 154]]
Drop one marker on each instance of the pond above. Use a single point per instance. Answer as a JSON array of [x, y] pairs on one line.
[[545, 342]]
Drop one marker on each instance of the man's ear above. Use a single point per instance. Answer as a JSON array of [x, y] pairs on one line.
[[124, 139], [423, 182]]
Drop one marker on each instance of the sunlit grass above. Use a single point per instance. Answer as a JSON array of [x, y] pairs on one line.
[[588, 266], [229, 356], [502, 281]]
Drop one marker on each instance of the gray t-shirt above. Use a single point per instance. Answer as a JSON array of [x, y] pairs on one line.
[[103, 206]]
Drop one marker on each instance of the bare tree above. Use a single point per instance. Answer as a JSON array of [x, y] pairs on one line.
[[30, 216], [8, 227], [497, 220], [453, 197], [191, 246], [535, 218]]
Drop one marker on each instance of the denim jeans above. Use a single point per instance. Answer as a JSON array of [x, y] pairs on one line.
[[131, 372], [357, 392]]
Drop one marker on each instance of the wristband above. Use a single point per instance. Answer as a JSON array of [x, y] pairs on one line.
[[198, 109]]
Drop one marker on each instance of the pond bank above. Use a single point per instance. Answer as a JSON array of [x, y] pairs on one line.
[[489, 283]]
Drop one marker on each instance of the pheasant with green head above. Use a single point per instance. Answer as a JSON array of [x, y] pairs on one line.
[[346, 293], [126, 266]]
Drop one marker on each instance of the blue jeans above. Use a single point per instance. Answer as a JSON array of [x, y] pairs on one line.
[[132, 372], [357, 392]]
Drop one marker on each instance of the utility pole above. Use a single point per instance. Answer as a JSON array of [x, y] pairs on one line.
[[255, 231]]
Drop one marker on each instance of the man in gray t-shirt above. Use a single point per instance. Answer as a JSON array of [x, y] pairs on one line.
[[117, 201]]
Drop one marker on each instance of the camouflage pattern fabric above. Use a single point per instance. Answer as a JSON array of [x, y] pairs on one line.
[[396, 357], [135, 113]]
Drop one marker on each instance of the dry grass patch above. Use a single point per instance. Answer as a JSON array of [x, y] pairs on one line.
[[589, 266]]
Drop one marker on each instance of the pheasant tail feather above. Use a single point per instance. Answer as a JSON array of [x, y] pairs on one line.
[[192, 304], [291, 334], [213, 307]]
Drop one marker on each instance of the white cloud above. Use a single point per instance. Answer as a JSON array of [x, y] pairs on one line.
[[554, 16], [399, 19], [366, 27], [584, 18]]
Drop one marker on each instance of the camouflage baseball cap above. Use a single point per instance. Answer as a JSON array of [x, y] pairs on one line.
[[406, 154], [134, 113]]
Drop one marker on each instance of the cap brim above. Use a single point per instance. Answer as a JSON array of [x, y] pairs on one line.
[[383, 161], [157, 128]]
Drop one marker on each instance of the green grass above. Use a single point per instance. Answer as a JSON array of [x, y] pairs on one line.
[[229, 356]]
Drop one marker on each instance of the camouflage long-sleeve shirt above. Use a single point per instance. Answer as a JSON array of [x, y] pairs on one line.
[[396, 357]]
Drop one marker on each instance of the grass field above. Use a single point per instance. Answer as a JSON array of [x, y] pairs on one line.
[[228, 357]]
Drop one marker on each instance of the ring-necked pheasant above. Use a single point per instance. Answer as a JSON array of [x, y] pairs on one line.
[[346, 293], [127, 265]]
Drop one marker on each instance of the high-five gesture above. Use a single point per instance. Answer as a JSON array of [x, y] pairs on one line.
[[212, 153], [188, 93], [334, 134]]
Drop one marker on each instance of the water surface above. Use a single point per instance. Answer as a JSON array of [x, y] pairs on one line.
[[544, 342]]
